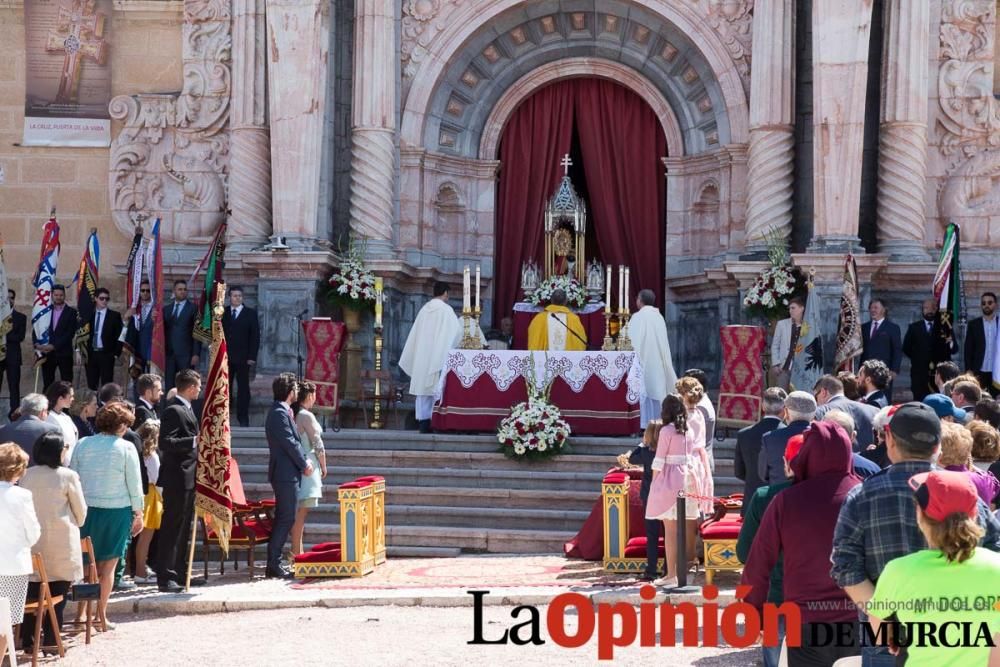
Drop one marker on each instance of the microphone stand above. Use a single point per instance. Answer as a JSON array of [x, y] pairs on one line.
[[586, 345], [298, 343]]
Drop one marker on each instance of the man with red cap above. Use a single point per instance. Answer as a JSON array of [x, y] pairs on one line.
[[804, 515]]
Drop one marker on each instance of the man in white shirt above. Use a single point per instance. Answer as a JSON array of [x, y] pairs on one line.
[[434, 333], [980, 341]]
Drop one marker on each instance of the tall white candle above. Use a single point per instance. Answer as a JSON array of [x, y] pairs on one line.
[[628, 272], [477, 288], [621, 288], [465, 290], [607, 292]]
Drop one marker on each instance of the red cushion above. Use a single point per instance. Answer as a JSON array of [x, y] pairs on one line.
[[260, 529], [354, 485], [326, 546], [721, 530], [636, 547], [615, 478], [370, 478], [328, 556]]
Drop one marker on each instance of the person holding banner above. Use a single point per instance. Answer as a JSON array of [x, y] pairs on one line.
[[58, 351]]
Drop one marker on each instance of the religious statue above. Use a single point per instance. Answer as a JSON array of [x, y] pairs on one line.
[[565, 229], [595, 281], [529, 277]]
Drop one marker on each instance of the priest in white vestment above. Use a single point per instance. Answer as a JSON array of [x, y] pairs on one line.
[[648, 332], [435, 331]]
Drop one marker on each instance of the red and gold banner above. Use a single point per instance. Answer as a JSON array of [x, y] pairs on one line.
[[213, 496], [324, 340], [742, 383]]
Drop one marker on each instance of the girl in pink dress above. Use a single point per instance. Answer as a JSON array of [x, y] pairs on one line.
[[679, 463]]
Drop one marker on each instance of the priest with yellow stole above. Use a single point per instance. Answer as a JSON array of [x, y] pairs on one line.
[[557, 327]]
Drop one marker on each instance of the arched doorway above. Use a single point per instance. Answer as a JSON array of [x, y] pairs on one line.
[[617, 145]]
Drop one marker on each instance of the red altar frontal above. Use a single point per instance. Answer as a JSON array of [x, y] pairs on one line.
[[598, 393]]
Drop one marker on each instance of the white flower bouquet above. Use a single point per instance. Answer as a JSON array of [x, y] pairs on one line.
[[576, 296], [535, 428], [768, 296], [353, 284]]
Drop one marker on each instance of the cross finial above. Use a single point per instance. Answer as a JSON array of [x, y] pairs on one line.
[[566, 164]]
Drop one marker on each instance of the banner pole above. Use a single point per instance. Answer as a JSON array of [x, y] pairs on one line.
[[190, 559]]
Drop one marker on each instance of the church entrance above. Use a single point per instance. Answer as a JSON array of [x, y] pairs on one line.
[[616, 144]]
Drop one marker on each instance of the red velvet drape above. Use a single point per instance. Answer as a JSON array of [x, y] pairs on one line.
[[622, 143], [537, 135]]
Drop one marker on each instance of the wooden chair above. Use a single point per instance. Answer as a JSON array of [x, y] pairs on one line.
[[91, 608], [388, 390], [7, 633], [251, 526], [44, 606]]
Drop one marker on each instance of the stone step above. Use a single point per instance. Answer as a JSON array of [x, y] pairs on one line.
[[461, 497], [458, 517], [444, 478], [442, 460], [474, 540], [422, 552]]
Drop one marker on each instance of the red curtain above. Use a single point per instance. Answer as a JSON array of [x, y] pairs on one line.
[[537, 135], [622, 143]]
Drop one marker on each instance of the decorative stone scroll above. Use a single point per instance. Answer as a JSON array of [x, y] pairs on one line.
[[422, 21], [171, 159], [733, 21]]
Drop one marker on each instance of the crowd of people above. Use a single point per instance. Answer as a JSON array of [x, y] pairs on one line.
[[853, 506], [110, 334], [79, 464]]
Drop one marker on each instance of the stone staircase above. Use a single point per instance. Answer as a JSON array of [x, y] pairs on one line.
[[448, 494]]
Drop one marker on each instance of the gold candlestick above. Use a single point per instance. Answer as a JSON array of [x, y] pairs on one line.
[[470, 331], [609, 343], [624, 342], [377, 398]]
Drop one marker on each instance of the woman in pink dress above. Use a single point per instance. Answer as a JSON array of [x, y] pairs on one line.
[[678, 464]]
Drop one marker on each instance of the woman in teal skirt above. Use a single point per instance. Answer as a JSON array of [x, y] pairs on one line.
[[112, 486], [311, 443]]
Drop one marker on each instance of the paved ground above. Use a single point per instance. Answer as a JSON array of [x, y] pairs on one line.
[[382, 636]]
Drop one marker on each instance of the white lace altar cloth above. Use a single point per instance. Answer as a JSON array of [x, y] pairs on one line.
[[575, 368]]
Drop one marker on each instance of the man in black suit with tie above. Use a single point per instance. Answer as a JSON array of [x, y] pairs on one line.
[[178, 458], [59, 350], [150, 390], [926, 349], [243, 341], [284, 470], [103, 346], [12, 361], [881, 339], [749, 441], [980, 341], [178, 322]]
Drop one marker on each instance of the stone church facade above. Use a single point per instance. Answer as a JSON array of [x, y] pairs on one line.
[[861, 125]]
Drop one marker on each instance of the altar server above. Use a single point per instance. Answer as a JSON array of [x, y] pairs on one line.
[[648, 333], [433, 334], [565, 333]]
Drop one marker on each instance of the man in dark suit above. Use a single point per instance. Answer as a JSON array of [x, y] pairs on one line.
[[829, 393], [873, 376], [980, 341], [103, 346], [749, 442], [178, 458], [284, 470], [59, 350], [178, 322], [31, 424], [12, 361], [926, 349], [800, 410], [150, 391], [882, 340], [242, 331]]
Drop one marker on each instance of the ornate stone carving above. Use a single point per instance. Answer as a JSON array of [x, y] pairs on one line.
[[422, 21], [372, 168], [969, 118], [901, 181], [733, 20], [770, 176], [171, 157]]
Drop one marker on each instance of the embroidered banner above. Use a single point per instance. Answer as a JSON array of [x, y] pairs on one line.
[[68, 75], [742, 383], [324, 340]]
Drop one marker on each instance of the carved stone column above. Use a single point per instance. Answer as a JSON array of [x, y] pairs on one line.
[[298, 39], [250, 166], [840, 33], [772, 116], [903, 131], [373, 131]]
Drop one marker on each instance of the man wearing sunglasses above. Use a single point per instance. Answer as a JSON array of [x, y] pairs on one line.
[[103, 346]]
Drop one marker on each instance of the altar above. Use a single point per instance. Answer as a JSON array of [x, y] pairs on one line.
[[591, 316], [598, 393]]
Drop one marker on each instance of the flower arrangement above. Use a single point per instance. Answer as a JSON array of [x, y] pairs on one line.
[[535, 428], [576, 296], [768, 296], [353, 284]]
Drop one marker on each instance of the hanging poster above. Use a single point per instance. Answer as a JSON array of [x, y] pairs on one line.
[[68, 77]]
